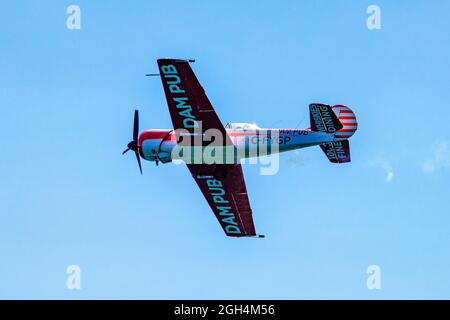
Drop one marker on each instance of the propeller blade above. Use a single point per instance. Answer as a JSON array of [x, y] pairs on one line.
[[139, 161], [136, 125], [133, 145]]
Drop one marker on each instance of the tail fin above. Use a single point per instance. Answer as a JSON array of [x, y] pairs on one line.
[[337, 151], [323, 118]]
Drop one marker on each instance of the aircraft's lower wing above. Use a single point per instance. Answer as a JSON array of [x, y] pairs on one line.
[[224, 188]]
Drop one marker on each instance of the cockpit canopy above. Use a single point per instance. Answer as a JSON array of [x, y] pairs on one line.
[[242, 126]]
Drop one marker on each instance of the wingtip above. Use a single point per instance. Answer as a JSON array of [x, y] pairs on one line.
[[176, 59]]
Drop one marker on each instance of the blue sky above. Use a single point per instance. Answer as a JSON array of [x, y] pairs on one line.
[[68, 197]]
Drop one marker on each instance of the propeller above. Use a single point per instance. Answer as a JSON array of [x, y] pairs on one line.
[[133, 144]]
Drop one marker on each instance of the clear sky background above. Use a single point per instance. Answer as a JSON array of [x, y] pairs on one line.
[[68, 196]]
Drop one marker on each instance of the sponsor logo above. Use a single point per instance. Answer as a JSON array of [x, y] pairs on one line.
[[335, 151], [294, 132], [221, 208], [322, 118], [173, 81]]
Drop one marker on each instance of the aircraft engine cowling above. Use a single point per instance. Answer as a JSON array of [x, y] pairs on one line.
[[157, 145]]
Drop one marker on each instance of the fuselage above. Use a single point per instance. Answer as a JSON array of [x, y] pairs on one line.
[[251, 141], [243, 140]]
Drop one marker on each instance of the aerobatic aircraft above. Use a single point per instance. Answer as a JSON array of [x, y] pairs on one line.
[[213, 152]]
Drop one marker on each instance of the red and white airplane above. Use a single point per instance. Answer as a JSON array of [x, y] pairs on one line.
[[222, 181]]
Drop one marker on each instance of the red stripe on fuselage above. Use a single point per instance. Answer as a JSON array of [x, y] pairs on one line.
[[155, 135], [249, 133]]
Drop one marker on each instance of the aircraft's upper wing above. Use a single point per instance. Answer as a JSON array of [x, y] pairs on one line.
[[186, 98], [224, 188]]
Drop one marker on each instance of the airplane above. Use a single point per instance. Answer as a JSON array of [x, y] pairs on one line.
[[197, 130]]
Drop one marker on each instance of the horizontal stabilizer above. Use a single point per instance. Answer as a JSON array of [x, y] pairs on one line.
[[337, 151]]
